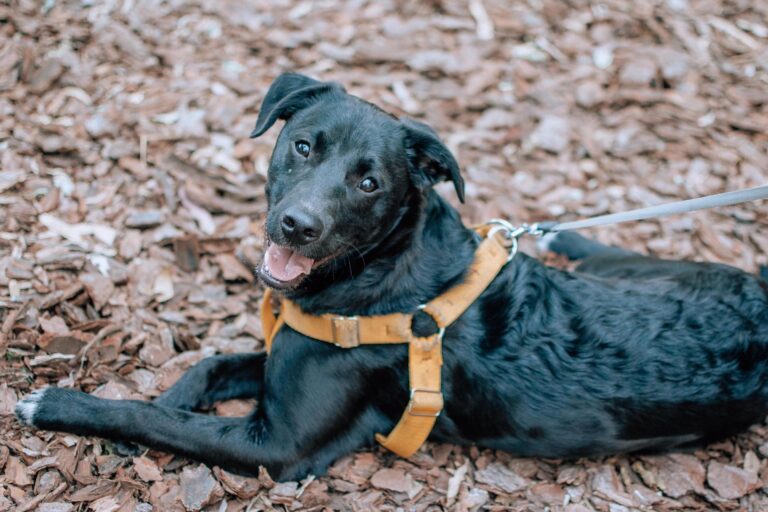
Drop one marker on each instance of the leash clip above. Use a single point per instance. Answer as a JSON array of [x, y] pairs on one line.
[[512, 233], [535, 229]]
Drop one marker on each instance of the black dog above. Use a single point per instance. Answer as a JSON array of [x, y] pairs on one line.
[[627, 353]]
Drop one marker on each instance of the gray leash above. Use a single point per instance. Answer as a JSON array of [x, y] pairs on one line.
[[651, 212]]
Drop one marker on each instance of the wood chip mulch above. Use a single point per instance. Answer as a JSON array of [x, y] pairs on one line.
[[131, 196]]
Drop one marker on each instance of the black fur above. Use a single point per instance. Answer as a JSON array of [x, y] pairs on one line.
[[627, 353]]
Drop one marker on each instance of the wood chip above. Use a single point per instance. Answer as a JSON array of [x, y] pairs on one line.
[[131, 199]]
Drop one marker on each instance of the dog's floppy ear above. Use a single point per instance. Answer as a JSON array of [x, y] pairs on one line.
[[289, 93], [430, 160]]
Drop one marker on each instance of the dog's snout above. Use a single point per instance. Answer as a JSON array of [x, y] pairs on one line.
[[301, 227]]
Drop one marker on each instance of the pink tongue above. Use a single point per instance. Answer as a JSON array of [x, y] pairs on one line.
[[285, 264]]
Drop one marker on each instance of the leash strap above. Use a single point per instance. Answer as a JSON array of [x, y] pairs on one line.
[[662, 210], [424, 353]]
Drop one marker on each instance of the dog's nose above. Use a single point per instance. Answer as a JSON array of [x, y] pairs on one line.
[[301, 227]]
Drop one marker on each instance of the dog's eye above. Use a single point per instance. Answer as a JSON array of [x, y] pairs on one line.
[[302, 148], [368, 185]]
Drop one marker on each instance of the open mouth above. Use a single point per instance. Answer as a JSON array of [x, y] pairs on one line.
[[283, 267]]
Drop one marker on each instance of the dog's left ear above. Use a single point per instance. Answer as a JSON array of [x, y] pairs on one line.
[[289, 93], [430, 160]]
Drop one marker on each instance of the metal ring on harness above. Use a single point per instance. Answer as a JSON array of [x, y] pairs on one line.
[[511, 234]]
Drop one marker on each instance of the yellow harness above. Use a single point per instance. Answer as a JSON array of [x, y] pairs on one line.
[[424, 353]]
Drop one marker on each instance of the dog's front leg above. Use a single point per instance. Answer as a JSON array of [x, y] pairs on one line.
[[206, 438], [300, 427], [217, 378]]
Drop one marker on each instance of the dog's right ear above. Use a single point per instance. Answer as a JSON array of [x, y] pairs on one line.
[[289, 93]]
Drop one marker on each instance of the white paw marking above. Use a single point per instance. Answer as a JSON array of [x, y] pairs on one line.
[[545, 242], [26, 408]]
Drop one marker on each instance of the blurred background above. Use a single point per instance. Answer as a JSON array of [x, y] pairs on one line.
[[130, 194]]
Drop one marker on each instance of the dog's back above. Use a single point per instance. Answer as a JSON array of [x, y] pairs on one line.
[[632, 353]]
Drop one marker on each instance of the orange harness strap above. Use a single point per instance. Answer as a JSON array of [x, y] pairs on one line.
[[270, 323], [424, 353]]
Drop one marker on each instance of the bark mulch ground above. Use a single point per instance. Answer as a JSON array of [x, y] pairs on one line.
[[130, 193]]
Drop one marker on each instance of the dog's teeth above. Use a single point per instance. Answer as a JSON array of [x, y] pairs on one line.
[[545, 242], [26, 408]]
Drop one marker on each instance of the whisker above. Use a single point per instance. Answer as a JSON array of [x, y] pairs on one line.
[[359, 252], [349, 264]]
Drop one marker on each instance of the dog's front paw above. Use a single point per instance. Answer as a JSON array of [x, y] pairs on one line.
[[27, 409], [54, 408]]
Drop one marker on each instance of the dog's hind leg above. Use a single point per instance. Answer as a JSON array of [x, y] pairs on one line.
[[217, 378], [602, 260], [576, 247]]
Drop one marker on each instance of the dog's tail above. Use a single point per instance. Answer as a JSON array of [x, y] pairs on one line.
[[763, 272]]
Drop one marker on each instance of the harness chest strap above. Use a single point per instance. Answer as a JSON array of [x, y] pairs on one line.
[[424, 353]]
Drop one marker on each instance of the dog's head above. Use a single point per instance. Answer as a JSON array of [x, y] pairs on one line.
[[339, 175]]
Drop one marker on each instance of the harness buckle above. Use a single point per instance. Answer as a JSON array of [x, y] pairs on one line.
[[425, 402], [345, 331]]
